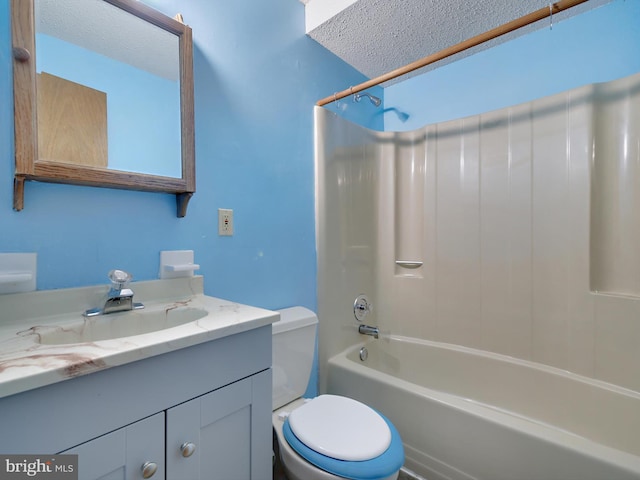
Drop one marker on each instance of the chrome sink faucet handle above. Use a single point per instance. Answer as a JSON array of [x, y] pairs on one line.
[[119, 280], [119, 298]]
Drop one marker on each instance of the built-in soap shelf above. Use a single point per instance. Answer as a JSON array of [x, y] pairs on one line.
[[182, 268], [15, 277], [177, 263], [408, 209], [17, 272], [409, 263]]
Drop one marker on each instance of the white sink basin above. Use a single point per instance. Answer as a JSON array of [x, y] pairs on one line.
[[119, 325]]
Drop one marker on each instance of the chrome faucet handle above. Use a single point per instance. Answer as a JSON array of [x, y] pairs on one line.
[[362, 306], [119, 279]]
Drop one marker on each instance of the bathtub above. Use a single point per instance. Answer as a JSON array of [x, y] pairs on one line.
[[469, 414]]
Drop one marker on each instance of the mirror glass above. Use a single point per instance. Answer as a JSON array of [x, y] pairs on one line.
[[108, 88], [103, 96]]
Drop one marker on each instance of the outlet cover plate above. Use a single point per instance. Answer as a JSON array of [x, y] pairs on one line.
[[225, 222]]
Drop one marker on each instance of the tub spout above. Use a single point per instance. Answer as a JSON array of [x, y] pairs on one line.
[[367, 330]]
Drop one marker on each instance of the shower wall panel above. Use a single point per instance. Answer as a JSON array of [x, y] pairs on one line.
[[346, 225], [506, 239], [457, 197], [616, 196], [409, 166], [520, 215]]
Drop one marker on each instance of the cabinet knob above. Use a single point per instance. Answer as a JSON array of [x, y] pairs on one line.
[[148, 469], [187, 449]]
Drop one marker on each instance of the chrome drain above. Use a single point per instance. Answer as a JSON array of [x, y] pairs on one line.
[[364, 354]]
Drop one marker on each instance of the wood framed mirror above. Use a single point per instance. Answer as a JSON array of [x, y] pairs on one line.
[[102, 98]]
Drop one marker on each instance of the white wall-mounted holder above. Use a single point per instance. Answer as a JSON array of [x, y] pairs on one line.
[[177, 263], [17, 272]]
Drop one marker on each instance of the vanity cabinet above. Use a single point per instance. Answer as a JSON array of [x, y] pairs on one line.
[[199, 412], [218, 426], [125, 453], [209, 437]]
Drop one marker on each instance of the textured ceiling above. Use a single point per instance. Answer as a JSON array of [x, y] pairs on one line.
[[103, 28], [377, 36]]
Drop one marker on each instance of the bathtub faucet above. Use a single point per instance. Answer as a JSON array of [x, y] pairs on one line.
[[367, 330]]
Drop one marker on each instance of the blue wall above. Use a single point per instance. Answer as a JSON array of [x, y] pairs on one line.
[[599, 45], [257, 77]]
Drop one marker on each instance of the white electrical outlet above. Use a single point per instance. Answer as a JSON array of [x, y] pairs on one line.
[[225, 221]]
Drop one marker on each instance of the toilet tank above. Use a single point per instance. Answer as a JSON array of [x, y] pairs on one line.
[[294, 339]]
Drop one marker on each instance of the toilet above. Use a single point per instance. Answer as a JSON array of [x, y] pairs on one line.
[[329, 437]]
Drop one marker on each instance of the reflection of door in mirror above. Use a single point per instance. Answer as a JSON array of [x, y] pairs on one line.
[[72, 122], [97, 45]]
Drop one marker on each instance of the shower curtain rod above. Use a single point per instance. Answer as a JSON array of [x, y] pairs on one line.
[[533, 17]]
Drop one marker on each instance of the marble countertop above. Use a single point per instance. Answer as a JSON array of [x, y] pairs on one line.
[[26, 318]]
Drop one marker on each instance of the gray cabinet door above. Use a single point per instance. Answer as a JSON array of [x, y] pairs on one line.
[[121, 455], [227, 430]]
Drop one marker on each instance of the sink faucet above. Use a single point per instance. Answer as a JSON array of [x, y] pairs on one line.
[[367, 330], [119, 298]]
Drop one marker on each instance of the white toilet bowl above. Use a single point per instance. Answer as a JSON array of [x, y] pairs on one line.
[[311, 464], [329, 437]]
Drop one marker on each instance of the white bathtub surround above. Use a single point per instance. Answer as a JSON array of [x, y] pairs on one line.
[[409, 200], [27, 361], [527, 223], [467, 413], [519, 225], [406, 474], [616, 196]]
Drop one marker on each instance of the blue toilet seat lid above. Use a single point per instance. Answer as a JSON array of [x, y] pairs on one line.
[[377, 468]]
